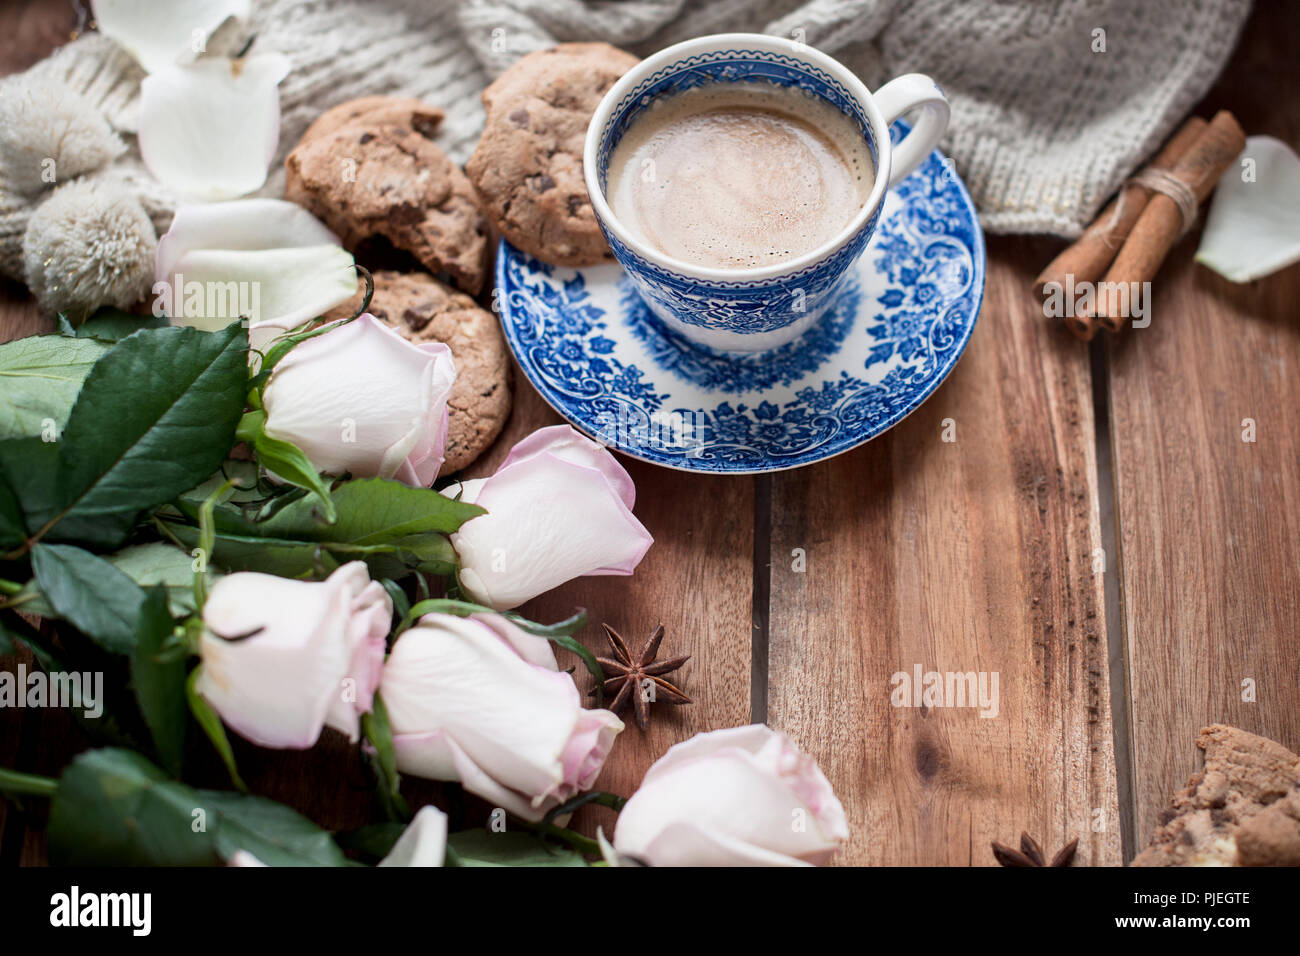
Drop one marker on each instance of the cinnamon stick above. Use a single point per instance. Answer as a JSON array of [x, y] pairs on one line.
[[1086, 260], [1161, 223]]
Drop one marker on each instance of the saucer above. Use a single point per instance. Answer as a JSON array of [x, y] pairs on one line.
[[588, 344]]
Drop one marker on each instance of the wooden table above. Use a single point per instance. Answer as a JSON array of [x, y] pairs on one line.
[[1099, 534]]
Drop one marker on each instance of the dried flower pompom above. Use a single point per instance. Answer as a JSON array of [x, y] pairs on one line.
[[50, 133], [89, 245]]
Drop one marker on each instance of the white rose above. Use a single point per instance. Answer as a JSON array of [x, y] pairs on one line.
[[363, 400], [740, 797], [282, 659], [480, 701], [559, 507]]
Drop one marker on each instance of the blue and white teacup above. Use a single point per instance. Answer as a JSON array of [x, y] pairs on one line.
[[755, 309]]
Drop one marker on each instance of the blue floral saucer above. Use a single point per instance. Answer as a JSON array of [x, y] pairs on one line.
[[598, 356]]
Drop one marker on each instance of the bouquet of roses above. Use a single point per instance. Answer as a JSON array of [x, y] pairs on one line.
[[242, 539]]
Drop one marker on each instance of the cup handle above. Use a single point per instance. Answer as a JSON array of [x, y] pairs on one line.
[[913, 91]]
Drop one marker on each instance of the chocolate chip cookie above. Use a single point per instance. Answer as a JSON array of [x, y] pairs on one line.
[[369, 170], [528, 164], [1242, 809], [425, 310]]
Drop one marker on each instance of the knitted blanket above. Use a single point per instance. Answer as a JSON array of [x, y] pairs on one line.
[[1054, 103]]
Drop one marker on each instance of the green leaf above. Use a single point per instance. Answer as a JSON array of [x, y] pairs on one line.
[[115, 808], [485, 848], [155, 417], [272, 832], [12, 527], [29, 466], [160, 563], [431, 554], [392, 527], [39, 380], [401, 603], [288, 462], [113, 325], [373, 511], [373, 841], [207, 719], [87, 591], [384, 759], [147, 565], [158, 679]]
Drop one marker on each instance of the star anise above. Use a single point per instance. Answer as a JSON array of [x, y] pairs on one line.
[[639, 681], [1031, 854]]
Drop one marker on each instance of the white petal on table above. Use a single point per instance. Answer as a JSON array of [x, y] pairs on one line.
[[239, 224], [292, 285], [158, 34], [209, 130], [1254, 226]]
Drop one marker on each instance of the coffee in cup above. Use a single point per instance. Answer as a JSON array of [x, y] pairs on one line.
[[739, 175]]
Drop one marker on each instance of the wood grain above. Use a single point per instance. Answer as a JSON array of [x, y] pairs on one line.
[[1209, 523], [30, 29], [971, 555]]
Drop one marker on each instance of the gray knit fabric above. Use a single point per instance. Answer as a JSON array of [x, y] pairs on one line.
[[1044, 127]]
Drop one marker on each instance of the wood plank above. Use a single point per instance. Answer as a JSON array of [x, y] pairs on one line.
[[1208, 522], [974, 555], [30, 29]]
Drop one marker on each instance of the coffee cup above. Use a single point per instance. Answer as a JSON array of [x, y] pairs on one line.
[[756, 307]]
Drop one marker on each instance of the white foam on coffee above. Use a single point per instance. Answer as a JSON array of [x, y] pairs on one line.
[[738, 176]]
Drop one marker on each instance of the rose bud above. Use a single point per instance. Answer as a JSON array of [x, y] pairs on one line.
[[362, 400], [740, 797], [282, 658], [480, 701], [559, 507]]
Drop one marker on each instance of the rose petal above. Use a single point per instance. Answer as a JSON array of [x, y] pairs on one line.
[[209, 130], [549, 520], [240, 224], [730, 795], [457, 676], [422, 843], [435, 756], [537, 651], [274, 687], [564, 442], [277, 290], [158, 34], [1253, 227], [361, 399], [684, 843], [292, 265]]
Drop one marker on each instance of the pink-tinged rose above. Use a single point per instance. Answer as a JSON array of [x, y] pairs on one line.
[[480, 701], [558, 508], [282, 659], [740, 797], [362, 400]]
